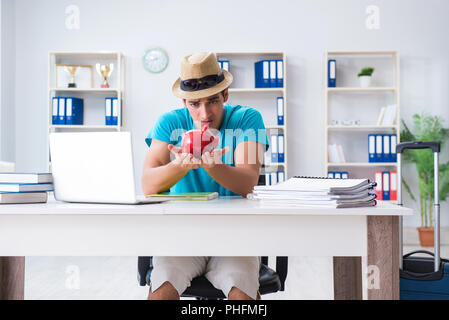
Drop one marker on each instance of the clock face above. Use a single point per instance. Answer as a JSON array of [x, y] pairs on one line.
[[155, 60]]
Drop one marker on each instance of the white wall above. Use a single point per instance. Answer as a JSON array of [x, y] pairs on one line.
[[303, 29], [7, 76]]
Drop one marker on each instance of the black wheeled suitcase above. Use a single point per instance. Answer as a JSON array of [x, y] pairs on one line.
[[421, 277]]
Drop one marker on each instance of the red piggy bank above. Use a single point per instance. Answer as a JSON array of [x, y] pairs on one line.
[[198, 141]]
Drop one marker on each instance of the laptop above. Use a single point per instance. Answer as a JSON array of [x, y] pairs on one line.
[[94, 167]]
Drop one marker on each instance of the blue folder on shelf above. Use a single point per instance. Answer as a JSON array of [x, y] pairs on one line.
[[61, 110], [74, 111], [386, 148], [332, 73], [379, 148], [273, 73], [371, 148], [115, 111], [393, 141], [274, 148], [385, 185], [262, 74], [108, 110], [54, 118], [280, 73], [280, 110], [280, 147]]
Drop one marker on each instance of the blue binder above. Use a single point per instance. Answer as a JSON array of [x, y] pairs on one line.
[[54, 118], [332, 73], [74, 111], [108, 111], [262, 74], [273, 74], [385, 185], [280, 110], [379, 148], [345, 175], [115, 111], [61, 110], [371, 148], [280, 73], [386, 148], [274, 148], [330, 174], [393, 142], [281, 147]]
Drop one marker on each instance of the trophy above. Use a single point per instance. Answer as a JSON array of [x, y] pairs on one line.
[[71, 70], [105, 71]]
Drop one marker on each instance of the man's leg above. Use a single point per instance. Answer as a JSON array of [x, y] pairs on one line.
[[237, 277], [165, 292], [172, 275], [237, 294]]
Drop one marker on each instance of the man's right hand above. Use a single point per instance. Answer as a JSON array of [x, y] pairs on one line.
[[185, 161]]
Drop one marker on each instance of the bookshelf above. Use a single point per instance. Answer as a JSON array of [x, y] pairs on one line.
[[88, 88], [348, 101], [243, 92]]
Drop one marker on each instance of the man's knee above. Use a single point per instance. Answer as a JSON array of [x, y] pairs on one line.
[[165, 292], [237, 294]]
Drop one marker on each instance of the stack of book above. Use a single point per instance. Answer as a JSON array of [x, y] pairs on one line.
[[318, 192], [25, 187]]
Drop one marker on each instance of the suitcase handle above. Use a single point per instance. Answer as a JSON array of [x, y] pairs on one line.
[[434, 145], [423, 251], [418, 251]]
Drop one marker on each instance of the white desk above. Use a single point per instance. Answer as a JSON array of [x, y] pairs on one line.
[[223, 227]]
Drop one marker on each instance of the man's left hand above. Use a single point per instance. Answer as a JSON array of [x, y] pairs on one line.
[[213, 158]]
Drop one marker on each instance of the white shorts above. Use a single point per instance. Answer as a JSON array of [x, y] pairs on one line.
[[223, 272]]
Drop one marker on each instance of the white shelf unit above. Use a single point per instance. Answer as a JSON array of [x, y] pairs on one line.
[[93, 97], [340, 101], [243, 92]]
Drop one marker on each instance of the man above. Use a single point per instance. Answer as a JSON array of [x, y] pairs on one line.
[[203, 88]]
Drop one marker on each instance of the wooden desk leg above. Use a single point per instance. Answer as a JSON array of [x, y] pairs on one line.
[[383, 258], [12, 278], [348, 278]]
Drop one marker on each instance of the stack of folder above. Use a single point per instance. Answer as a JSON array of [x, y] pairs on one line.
[[25, 187], [318, 192], [269, 74]]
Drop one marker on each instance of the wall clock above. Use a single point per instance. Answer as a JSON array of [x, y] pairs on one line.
[[155, 60]]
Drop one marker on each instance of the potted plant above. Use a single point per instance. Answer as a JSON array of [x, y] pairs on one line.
[[365, 76], [426, 128]]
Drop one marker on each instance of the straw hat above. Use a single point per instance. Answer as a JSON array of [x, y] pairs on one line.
[[197, 66]]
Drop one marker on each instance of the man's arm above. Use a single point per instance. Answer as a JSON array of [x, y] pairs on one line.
[[244, 176], [159, 173]]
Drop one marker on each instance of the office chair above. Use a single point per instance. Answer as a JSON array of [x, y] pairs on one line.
[[200, 288]]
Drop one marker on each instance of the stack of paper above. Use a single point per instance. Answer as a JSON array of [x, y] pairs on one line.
[[318, 191]]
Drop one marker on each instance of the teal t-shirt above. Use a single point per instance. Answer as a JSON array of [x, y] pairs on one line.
[[239, 124]]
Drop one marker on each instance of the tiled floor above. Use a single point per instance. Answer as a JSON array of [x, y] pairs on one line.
[[116, 278]]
